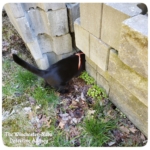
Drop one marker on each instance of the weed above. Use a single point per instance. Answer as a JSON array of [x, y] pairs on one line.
[[96, 92], [88, 79], [99, 130]]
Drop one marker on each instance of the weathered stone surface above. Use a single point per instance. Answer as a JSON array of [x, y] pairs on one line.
[[133, 50], [51, 57], [28, 6], [104, 74], [62, 56], [58, 22], [45, 43], [73, 14], [35, 49], [51, 6], [91, 71], [113, 15], [134, 109], [82, 37], [23, 27], [92, 64], [44, 6], [43, 62], [11, 17], [99, 52], [62, 44], [102, 82], [90, 14], [127, 77], [38, 21], [16, 8]]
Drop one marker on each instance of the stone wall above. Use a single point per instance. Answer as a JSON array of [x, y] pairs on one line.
[[46, 28], [114, 37]]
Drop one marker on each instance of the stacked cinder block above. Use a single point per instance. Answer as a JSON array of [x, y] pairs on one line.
[[44, 29], [114, 37]]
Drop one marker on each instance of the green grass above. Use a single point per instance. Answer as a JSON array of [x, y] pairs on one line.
[[18, 85], [99, 130], [25, 78]]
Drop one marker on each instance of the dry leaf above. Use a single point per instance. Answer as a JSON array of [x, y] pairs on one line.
[[111, 143], [61, 125], [74, 131], [91, 112], [133, 130], [64, 117], [82, 96], [74, 121], [124, 129], [31, 115], [48, 123], [143, 137], [27, 110], [74, 103]]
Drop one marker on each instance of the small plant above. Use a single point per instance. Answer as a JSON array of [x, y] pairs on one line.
[[99, 130], [88, 79], [96, 92]]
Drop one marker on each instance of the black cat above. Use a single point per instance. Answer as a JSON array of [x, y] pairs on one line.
[[58, 74]]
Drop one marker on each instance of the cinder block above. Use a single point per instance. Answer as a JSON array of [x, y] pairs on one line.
[[132, 107], [91, 71], [73, 14], [82, 37], [127, 77], [16, 9], [35, 49], [62, 56], [37, 22], [133, 49], [99, 52], [113, 15], [92, 64], [104, 74], [28, 6], [90, 14], [43, 62], [51, 6], [102, 82], [51, 57], [62, 44], [58, 22], [11, 17], [23, 27], [45, 43]]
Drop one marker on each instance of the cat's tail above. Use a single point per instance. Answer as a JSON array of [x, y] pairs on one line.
[[27, 66]]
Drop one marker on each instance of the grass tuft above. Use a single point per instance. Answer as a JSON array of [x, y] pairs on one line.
[[25, 78], [99, 130]]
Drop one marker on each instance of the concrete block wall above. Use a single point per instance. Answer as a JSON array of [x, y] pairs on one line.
[[114, 38], [45, 29]]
